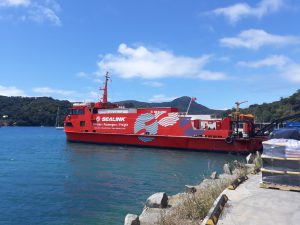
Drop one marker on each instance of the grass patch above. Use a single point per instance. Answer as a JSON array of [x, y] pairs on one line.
[[258, 160], [194, 207]]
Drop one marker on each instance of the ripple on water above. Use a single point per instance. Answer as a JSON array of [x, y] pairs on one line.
[[45, 180]]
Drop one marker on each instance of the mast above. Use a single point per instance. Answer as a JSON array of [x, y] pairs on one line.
[[104, 89], [57, 117]]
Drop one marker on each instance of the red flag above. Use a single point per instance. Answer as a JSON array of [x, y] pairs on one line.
[[194, 99]]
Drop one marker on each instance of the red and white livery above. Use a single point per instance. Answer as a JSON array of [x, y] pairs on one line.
[[164, 127]]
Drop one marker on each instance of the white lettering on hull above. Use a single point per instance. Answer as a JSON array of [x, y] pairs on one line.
[[113, 126], [110, 119], [113, 119]]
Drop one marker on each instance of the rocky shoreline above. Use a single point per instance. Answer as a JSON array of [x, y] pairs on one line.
[[191, 206]]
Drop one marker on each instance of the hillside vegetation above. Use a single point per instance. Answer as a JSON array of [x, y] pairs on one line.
[[41, 111], [268, 112], [25, 111]]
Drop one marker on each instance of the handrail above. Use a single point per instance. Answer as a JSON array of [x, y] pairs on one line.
[[275, 122]]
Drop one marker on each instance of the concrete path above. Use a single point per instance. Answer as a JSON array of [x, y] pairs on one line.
[[250, 205]]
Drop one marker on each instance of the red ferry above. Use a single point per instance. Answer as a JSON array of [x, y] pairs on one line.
[[164, 127]]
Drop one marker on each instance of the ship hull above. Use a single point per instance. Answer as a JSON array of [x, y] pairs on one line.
[[175, 142]]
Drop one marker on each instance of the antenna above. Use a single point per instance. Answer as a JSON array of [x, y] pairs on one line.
[[104, 89]]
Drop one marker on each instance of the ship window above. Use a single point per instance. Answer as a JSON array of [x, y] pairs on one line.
[[76, 112], [69, 124], [82, 123]]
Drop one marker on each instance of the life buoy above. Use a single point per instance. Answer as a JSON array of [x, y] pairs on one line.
[[228, 140]]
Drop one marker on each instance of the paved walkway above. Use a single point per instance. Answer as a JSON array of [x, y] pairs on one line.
[[250, 205]]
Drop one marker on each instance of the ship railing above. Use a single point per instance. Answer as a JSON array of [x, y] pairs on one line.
[[82, 104]]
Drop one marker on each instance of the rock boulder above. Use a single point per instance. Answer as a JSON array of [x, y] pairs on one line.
[[227, 169], [190, 189], [214, 175], [157, 200], [250, 158], [132, 219]]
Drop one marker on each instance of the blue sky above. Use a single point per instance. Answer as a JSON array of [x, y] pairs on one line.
[[217, 51]]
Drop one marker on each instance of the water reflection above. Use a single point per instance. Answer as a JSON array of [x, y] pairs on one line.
[[45, 179], [114, 180]]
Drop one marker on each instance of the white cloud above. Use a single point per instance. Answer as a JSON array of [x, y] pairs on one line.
[[154, 64], [161, 98], [48, 90], [94, 94], [89, 96], [40, 14], [98, 80], [208, 75], [11, 91], [91, 76], [242, 10], [153, 84], [38, 11], [72, 96], [82, 74], [292, 72], [224, 59], [286, 67], [273, 60], [254, 39], [12, 3]]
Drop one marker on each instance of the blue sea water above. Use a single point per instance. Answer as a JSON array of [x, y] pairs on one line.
[[46, 180]]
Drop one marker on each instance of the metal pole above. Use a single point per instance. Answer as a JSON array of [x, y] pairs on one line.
[[189, 107]]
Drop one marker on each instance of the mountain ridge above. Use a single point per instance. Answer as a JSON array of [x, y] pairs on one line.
[[181, 103], [37, 111]]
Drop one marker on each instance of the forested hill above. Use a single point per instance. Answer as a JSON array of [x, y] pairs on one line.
[[25, 111], [268, 112], [41, 111]]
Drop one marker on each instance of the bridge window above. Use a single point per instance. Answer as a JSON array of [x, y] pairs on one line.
[[69, 124], [76, 111]]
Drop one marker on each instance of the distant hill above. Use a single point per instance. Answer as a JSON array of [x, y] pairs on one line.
[[41, 111], [36, 111], [180, 103]]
